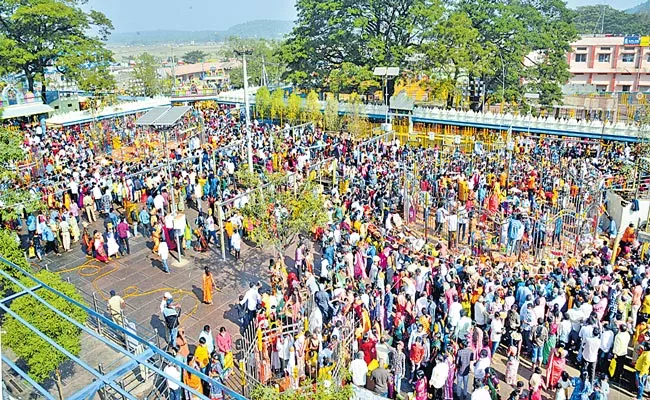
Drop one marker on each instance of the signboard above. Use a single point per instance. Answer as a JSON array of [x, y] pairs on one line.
[[179, 222], [632, 40], [457, 139], [644, 237], [432, 136], [645, 41]]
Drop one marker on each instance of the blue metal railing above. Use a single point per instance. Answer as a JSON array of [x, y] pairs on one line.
[[105, 381]]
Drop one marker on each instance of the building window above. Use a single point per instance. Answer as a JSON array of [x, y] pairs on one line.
[[581, 58], [601, 88], [606, 48], [603, 57], [629, 49], [648, 57], [644, 89], [581, 48], [627, 57], [626, 88]]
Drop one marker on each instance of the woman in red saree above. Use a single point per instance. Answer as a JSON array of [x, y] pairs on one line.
[[556, 364], [171, 244], [100, 252]]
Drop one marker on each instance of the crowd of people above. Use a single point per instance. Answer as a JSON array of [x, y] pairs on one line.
[[367, 294], [424, 315]]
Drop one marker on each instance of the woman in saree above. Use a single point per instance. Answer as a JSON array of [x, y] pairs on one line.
[[86, 241], [100, 252], [549, 345], [208, 285], [156, 234], [450, 359], [556, 364]]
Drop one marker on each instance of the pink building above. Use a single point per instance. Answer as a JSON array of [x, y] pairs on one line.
[[611, 64]]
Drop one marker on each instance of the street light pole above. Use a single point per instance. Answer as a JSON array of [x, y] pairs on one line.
[[249, 145]]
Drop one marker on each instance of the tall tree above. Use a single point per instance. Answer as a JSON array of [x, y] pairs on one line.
[[145, 73], [514, 30], [195, 56], [349, 78], [453, 52], [37, 34], [362, 32]]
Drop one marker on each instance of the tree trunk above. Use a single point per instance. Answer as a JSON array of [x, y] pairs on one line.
[[59, 383], [30, 80], [43, 90]]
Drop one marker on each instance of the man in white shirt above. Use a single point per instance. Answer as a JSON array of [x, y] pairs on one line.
[[439, 376], [454, 312], [496, 331], [590, 347], [174, 389], [206, 333], [452, 228], [250, 300], [359, 370], [619, 348], [163, 252], [480, 313]]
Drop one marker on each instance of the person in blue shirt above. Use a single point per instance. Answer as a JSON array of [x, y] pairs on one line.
[[48, 238], [31, 224], [557, 231], [145, 220]]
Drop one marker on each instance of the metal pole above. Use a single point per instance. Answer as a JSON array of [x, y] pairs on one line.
[[386, 93], [99, 323], [406, 199], [247, 105], [221, 233]]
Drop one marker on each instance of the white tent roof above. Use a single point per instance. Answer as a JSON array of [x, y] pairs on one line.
[[25, 110], [128, 108]]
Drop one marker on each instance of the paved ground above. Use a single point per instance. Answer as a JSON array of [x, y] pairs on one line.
[[138, 278]]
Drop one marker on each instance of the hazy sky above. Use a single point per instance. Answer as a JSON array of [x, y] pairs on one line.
[[146, 15]]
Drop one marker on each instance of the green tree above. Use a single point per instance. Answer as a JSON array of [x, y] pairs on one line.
[[512, 31], [331, 118], [361, 32], [145, 72], [262, 102], [10, 249], [279, 216], [35, 34], [277, 105], [312, 107], [194, 56], [349, 78], [451, 52], [294, 103], [12, 199], [265, 57], [40, 357]]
